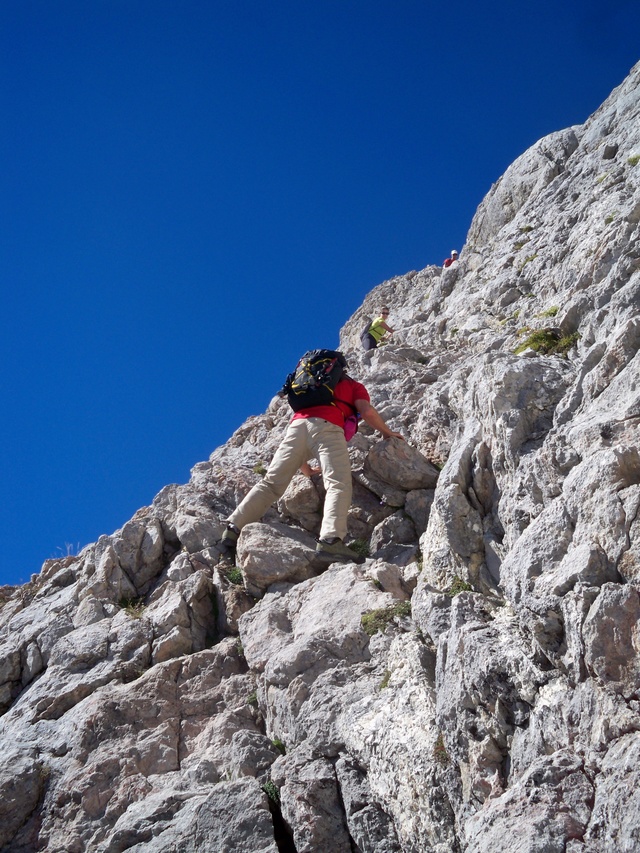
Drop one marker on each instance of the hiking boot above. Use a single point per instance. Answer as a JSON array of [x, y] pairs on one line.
[[337, 550], [230, 538]]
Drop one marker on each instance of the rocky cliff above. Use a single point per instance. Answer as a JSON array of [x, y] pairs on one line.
[[474, 685]]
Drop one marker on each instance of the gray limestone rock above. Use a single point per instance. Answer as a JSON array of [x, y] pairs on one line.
[[232, 816], [22, 782], [271, 554], [397, 463], [550, 805], [311, 805]]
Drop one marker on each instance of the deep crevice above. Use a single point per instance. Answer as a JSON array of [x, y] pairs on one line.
[[281, 832]]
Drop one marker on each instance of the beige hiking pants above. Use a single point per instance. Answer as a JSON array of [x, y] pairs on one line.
[[305, 438]]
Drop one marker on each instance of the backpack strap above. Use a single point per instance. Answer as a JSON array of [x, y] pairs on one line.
[[338, 400]]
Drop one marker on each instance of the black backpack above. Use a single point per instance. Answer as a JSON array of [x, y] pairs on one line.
[[313, 381], [365, 330]]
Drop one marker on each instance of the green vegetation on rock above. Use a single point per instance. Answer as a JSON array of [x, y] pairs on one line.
[[377, 620], [234, 575], [548, 342], [440, 754], [133, 607], [458, 586]]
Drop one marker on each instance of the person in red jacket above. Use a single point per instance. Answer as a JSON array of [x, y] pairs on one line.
[[314, 433], [452, 259]]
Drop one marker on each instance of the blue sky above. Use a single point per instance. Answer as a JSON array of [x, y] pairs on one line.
[[195, 193]]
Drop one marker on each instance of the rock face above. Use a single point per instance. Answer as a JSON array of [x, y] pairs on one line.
[[475, 684]]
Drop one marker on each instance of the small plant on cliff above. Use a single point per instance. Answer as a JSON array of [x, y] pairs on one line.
[[360, 546], [440, 754], [528, 260], [547, 342], [385, 679], [542, 340], [70, 550], [234, 575], [634, 160], [253, 699], [377, 620], [510, 318], [458, 586], [272, 792], [610, 218], [133, 607], [550, 312], [259, 469], [279, 745], [566, 342]]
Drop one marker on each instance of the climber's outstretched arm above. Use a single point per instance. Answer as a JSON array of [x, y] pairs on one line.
[[371, 417]]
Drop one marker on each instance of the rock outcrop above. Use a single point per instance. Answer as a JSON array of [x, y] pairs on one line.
[[475, 684]]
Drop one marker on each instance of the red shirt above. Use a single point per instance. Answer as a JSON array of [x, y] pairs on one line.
[[348, 390]]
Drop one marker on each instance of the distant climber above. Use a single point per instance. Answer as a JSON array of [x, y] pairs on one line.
[[377, 331], [452, 259], [315, 432]]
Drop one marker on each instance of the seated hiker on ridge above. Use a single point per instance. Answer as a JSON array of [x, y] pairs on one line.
[[451, 260], [376, 334], [316, 432]]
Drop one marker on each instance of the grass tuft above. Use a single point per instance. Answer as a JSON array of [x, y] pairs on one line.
[[440, 754], [550, 312], [377, 620], [279, 745], [458, 586], [548, 342], [528, 260], [234, 575], [272, 792], [133, 607], [360, 546]]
